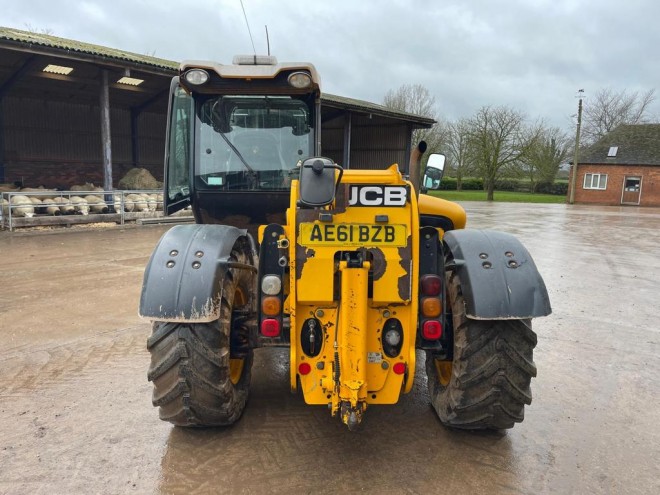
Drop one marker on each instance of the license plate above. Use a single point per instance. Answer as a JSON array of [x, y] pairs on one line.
[[351, 234]]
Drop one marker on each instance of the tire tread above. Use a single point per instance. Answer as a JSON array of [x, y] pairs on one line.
[[491, 373], [190, 364]]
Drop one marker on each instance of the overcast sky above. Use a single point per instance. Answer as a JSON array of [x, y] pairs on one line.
[[532, 55]]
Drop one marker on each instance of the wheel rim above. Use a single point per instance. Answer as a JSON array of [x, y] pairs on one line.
[[236, 370], [444, 371], [236, 365]]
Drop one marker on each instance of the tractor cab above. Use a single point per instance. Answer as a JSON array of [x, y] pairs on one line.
[[236, 135]]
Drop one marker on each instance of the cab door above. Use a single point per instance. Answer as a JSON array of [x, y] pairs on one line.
[[178, 149]]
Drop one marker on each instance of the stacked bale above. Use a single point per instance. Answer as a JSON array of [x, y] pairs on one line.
[[139, 179]]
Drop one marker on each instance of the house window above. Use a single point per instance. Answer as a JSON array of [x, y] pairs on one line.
[[595, 181]]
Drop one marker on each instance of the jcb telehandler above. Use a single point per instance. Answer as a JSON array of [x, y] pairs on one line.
[[352, 270]]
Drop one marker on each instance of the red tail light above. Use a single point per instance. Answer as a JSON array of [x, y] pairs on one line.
[[399, 368], [270, 327], [431, 330], [304, 368], [431, 285]]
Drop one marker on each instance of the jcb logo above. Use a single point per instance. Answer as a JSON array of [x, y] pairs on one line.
[[378, 196]]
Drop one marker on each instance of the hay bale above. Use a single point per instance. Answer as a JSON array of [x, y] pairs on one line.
[[87, 186], [4, 187], [139, 178]]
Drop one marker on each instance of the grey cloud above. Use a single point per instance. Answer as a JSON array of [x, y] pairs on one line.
[[530, 55]]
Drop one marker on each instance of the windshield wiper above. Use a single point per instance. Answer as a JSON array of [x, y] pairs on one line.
[[251, 171]]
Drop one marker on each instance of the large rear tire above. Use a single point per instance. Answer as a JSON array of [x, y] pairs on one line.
[[487, 383], [197, 382]]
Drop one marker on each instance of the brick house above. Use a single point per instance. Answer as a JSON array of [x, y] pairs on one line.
[[622, 168]]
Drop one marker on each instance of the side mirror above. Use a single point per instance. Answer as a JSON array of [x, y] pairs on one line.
[[317, 181], [300, 129], [435, 168]]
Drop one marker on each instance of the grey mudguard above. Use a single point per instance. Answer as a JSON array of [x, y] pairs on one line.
[[183, 280], [498, 277]]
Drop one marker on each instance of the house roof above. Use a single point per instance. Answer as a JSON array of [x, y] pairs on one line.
[[636, 145], [26, 41]]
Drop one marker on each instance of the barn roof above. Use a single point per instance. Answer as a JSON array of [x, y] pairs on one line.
[[40, 43], [635, 145]]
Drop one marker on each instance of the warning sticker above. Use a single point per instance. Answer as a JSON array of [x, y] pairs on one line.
[[374, 357]]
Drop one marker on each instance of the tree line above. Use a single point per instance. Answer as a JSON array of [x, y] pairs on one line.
[[500, 141]]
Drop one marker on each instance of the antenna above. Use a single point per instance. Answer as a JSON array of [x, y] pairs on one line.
[[267, 39], [248, 27]]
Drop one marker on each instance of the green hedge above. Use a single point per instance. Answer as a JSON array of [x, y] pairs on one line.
[[469, 184], [514, 185], [558, 188]]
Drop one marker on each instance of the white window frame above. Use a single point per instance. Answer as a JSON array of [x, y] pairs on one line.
[[595, 181]]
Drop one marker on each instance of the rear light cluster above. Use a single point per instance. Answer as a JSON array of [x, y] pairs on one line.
[[431, 306], [271, 306]]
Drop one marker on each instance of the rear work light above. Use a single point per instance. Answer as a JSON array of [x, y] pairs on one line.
[[270, 327], [196, 76], [300, 80], [431, 285], [431, 330]]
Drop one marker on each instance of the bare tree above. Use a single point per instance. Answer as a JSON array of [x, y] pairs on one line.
[[607, 109], [31, 29], [548, 151], [499, 139], [416, 99], [459, 155]]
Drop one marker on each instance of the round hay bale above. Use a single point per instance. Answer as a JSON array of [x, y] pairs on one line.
[[139, 178]]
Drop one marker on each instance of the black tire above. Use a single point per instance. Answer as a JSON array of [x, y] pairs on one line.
[[487, 384], [190, 362]]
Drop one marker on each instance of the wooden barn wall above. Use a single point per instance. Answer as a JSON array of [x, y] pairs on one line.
[[58, 144], [376, 143], [332, 139]]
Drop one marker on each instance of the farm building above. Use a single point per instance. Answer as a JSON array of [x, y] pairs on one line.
[[622, 168], [72, 112]]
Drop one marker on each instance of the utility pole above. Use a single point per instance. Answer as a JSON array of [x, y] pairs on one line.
[[571, 198]]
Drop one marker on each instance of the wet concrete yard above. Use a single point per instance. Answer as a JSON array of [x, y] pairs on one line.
[[75, 404]]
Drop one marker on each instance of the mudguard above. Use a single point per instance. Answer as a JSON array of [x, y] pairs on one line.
[[183, 279], [498, 277]]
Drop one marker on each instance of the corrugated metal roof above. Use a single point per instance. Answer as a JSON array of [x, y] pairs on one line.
[[365, 106], [637, 145], [45, 40], [27, 39]]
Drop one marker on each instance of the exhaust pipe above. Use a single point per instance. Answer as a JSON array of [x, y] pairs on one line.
[[414, 165]]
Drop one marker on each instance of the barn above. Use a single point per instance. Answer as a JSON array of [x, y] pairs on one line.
[[73, 113], [622, 168]]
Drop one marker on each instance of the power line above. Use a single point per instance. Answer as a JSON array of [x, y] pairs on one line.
[[248, 27]]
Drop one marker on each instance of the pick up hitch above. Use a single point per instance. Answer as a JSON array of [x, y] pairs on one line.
[[349, 397]]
